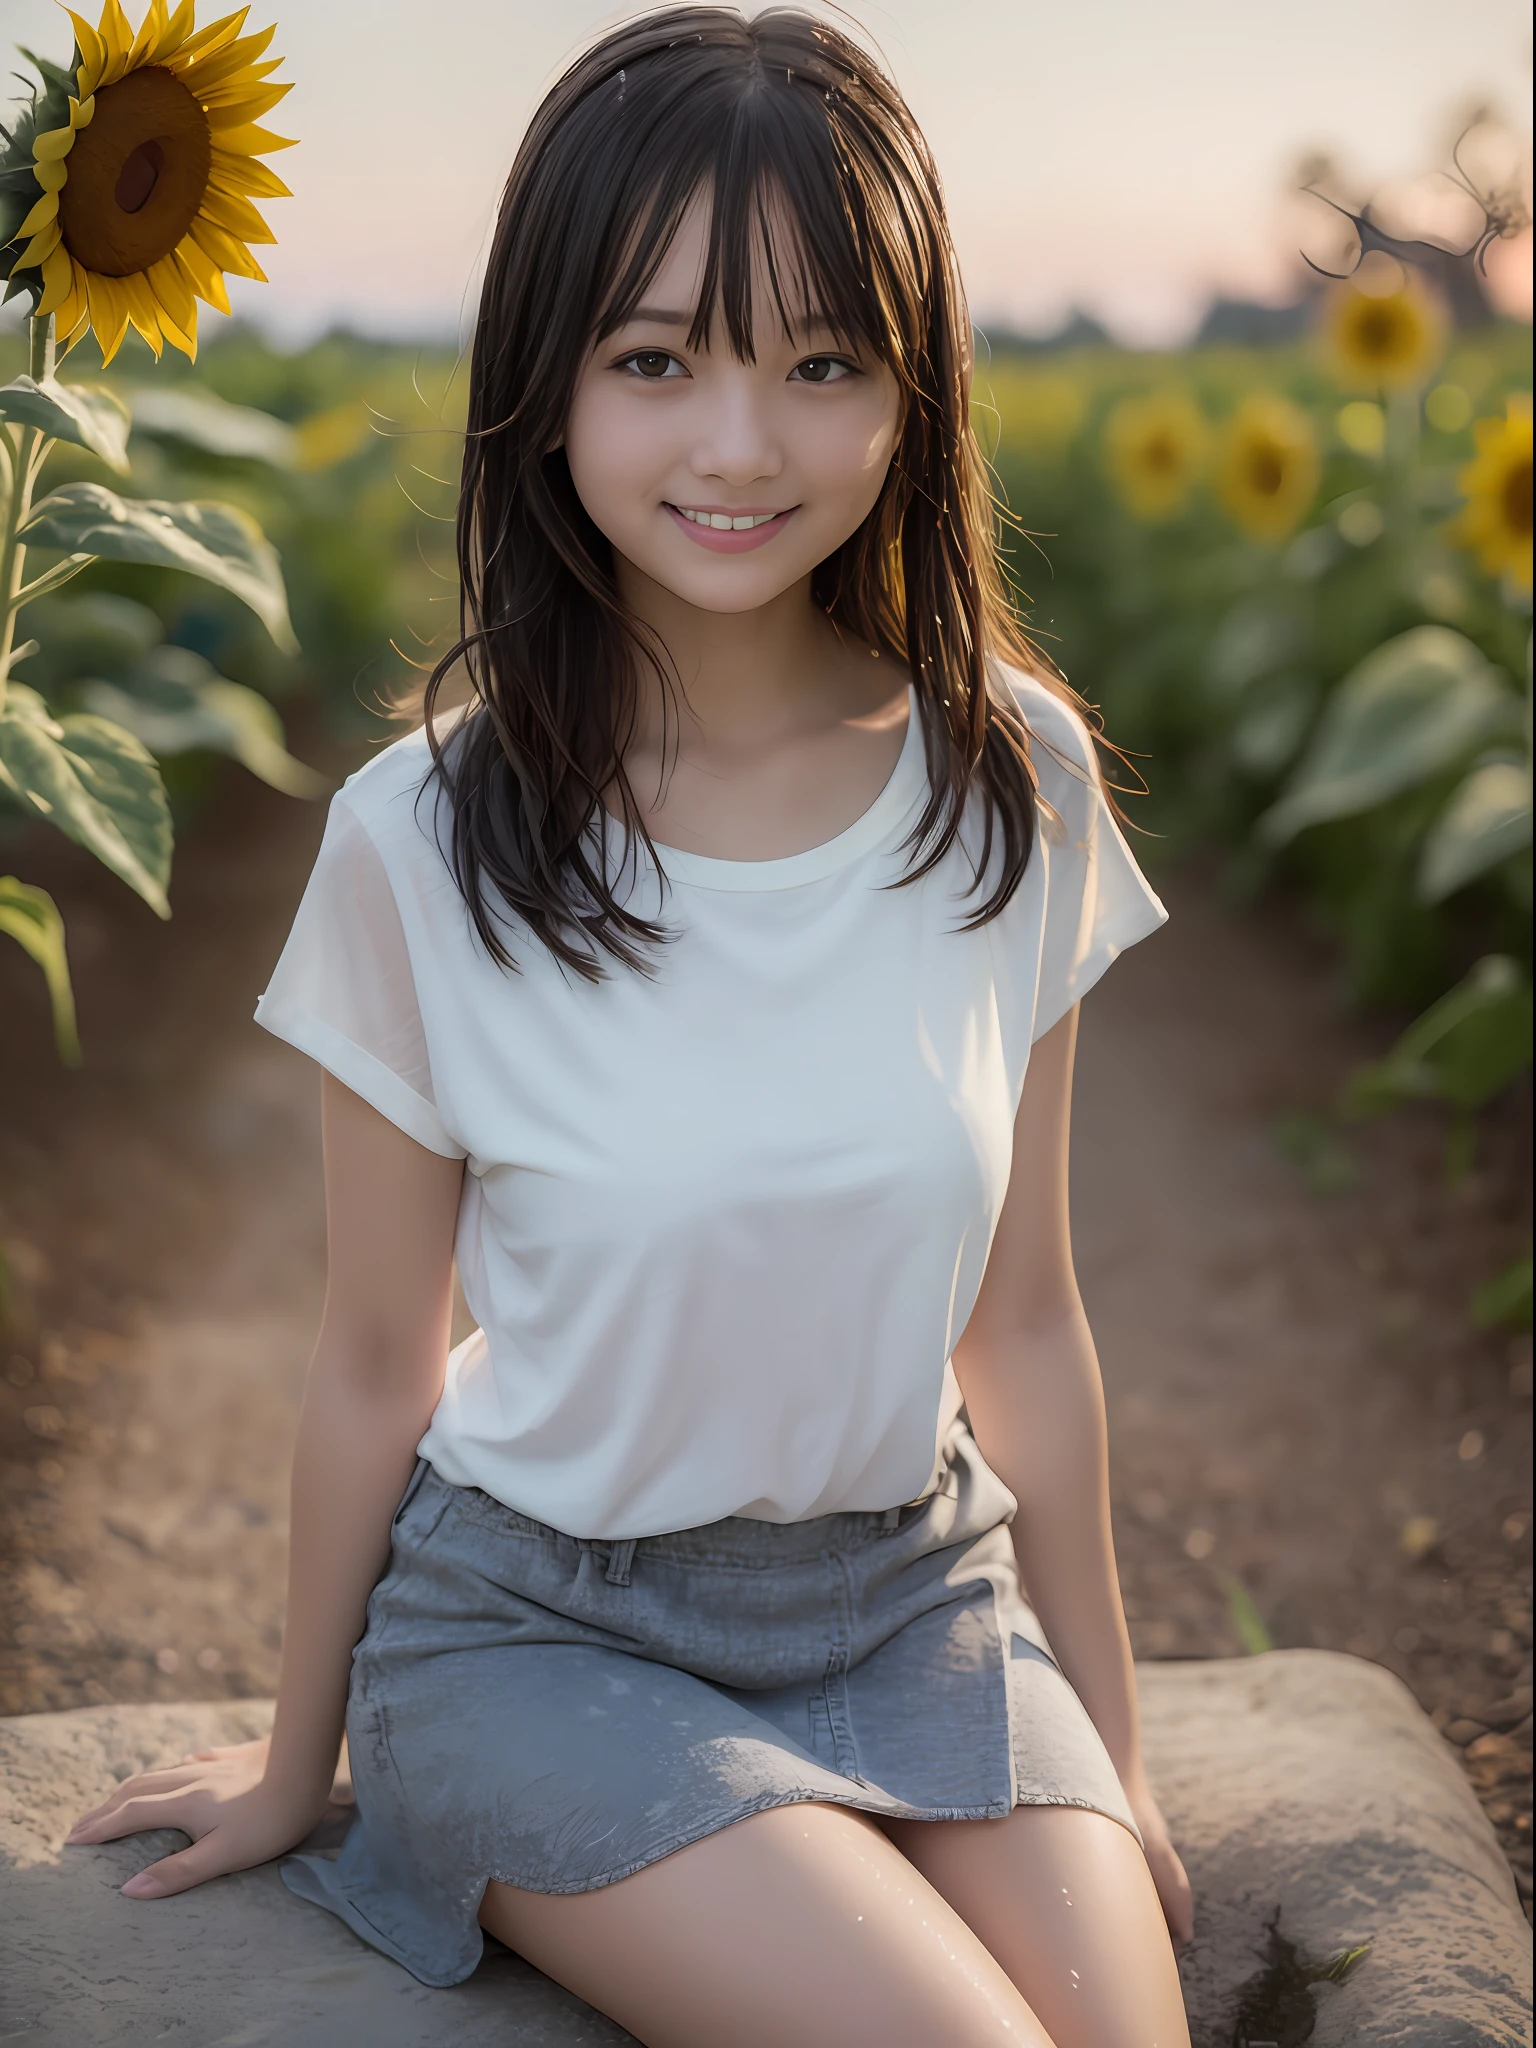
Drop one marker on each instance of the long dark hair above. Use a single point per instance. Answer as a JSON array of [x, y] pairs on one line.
[[780, 111]]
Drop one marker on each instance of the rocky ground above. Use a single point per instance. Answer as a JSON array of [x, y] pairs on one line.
[[1310, 1439]]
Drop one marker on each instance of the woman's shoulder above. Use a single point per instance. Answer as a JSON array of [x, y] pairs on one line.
[[388, 796], [1063, 750]]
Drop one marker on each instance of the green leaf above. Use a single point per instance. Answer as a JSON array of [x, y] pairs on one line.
[[1464, 1048], [1245, 1616], [203, 420], [177, 704], [1486, 821], [98, 634], [217, 542], [31, 917], [1273, 725], [1411, 710], [97, 783], [1338, 1967], [89, 415], [1504, 1302]]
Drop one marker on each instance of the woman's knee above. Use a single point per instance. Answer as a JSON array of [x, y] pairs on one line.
[[1063, 1898]]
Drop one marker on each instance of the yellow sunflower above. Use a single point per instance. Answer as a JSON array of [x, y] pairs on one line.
[[1496, 520], [1390, 342], [1267, 469], [146, 190], [1155, 448]]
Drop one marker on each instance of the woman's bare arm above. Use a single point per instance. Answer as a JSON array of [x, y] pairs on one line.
[[1030, 1376], [391, 1207]]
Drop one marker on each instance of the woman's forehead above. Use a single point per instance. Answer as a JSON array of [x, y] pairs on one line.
[[782, 292]]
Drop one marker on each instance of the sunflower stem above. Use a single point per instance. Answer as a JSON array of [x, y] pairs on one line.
[[28, 452]]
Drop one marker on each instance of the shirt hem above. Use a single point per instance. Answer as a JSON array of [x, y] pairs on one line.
[[378, 1085]]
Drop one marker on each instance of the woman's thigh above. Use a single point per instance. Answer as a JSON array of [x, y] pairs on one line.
[[803, 1924], [1062, 1897]]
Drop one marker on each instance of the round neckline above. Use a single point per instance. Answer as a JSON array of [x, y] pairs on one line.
[[790, 870]]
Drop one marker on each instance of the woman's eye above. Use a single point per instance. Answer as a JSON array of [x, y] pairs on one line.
[[822, 370], [653, 364]]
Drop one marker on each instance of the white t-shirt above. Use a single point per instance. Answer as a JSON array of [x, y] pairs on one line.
[[723, 1225]]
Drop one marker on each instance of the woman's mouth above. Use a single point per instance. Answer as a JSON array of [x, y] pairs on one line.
[[728, 533]]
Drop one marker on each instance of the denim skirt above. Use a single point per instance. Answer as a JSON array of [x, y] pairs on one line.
[[559, 1712]]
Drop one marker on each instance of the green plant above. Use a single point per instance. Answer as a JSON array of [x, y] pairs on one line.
[[78, 743]]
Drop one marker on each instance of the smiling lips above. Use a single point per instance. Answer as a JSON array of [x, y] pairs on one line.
[[728, 533]]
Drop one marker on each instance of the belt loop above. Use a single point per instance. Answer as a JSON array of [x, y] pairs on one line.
[[620, 1557], [890, 1519]]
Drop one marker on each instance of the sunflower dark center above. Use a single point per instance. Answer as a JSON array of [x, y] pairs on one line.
[[1266, 472], [139, 176], [136, 175], [1161, 455], [1517, 499], [1379, 333]]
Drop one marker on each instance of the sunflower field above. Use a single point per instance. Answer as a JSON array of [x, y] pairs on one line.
[[1297, 582]]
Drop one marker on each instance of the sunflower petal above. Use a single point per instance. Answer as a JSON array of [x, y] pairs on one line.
[[42, 244], [82, 112], [151, 29], [52, 177], [177, 31], [52, 147], [213, 37], [218, 65], [250, 140], [46, 209], [177, 299], [177, 28], [143, 309], [245, 174], [118, 38], [202, 273], [178, 307], [58, 281], [109, 313], [242, 105], [73, 317], [93, 51], [234, 214], [224, 250]]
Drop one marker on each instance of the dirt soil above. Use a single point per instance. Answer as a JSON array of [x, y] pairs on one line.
[[1302, 1414]]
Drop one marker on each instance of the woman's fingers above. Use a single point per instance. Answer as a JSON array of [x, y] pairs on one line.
[[135, 1788], [1174, 1891], [169, 1808], [179, 1873]]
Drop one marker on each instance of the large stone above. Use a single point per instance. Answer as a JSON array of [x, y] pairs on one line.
[[1300, 1785]]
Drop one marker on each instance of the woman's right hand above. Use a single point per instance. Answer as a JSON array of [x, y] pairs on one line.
[[236, 1815]]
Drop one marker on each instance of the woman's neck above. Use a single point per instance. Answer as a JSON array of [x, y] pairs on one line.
[[749, 677]]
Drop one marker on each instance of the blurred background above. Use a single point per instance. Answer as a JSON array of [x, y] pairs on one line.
[[1275, 527]]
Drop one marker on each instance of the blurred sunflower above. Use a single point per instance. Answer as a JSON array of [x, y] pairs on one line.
[[144, 175], [1155, 448], [1496, 520], [1267, 468], [1390, 342]]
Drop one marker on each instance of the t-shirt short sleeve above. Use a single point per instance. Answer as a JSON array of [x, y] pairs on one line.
[[1097, 901], [344, 990]]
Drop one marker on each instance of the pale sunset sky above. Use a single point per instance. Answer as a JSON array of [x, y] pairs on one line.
[[1126, 158]]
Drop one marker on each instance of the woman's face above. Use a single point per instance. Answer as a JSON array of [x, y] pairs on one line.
[[726, 482]]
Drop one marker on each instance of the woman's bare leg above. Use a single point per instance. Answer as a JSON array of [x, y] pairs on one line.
[[802, 1925], [1062, 1897]]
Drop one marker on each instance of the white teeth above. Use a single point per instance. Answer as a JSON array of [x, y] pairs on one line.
[[723, 522]]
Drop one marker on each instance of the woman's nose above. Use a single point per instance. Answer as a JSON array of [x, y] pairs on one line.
[[737, 442]]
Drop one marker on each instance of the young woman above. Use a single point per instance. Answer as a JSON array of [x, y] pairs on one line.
[[709, 988]]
